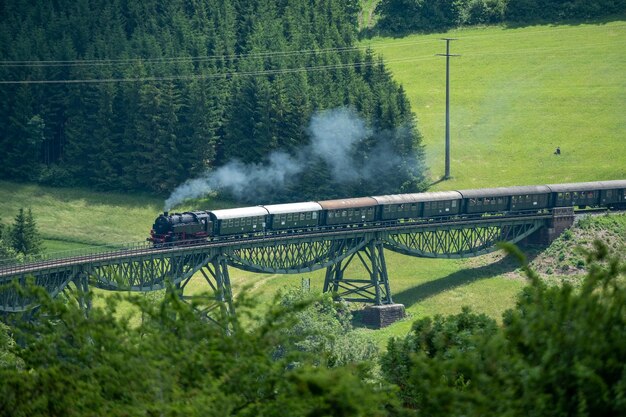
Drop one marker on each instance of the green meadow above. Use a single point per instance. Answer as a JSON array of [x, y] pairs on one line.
[[515, 95]]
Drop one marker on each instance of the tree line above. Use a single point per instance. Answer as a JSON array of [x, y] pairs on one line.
[[122, 95], [405, 16], [561, 350]]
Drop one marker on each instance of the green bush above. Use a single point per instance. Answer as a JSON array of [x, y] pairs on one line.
[[561, 351]]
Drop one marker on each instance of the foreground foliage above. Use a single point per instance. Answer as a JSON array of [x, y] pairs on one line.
[[559, 352], [173, 363]]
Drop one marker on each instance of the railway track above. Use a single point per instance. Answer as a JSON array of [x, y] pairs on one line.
[[145, 249]]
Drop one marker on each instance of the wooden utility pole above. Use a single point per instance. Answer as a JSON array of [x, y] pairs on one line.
[[447, 55]]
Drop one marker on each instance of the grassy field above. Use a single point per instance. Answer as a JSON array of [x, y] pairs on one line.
[[517, 94]]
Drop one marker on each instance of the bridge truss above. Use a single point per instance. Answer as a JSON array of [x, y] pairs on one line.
[[143, 268]]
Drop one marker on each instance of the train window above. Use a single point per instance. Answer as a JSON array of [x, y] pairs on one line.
[[609, 193], [302, 216], [427, 205], [500, 200], [472, 202], [314, 214], [414, 207], [527, 198], [289, 217], [453, 203], [493, 201], [559, 196], [567, 196], [401, 207], [237, 222], [513, 199], [591, 194], [330, 215], [440, 204], [393, 208], [344, 213], [575, 195], [308, 215]]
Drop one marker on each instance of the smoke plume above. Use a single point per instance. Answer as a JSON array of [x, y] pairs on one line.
[[335, 135]]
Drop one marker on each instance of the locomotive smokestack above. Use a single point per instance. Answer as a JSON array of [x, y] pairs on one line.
[[165, 213]]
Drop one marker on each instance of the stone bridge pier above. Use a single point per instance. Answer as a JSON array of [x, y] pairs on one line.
[[561, 220]]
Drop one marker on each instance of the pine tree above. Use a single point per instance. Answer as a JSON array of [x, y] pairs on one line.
[[34, 238], [25, 237]]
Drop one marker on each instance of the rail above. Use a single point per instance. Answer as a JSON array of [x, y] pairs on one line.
[[132, 249]]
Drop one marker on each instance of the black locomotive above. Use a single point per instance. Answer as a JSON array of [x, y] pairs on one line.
[[197, 226]]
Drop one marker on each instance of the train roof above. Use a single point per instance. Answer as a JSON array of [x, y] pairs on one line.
[[293, 207], [348, 203], [505, 191], [588, 186], [236, 213], [418, 197]]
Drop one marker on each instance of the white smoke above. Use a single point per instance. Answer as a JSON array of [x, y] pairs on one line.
[[334, 136]]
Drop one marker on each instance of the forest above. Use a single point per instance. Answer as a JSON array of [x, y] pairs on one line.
[[404, 16], [125, 95]]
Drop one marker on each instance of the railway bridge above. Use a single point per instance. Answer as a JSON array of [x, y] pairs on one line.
[[141, 267]]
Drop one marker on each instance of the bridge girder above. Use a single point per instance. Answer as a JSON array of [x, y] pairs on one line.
[[152, 269]]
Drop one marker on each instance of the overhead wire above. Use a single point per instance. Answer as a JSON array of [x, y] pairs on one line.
[[217, 75]]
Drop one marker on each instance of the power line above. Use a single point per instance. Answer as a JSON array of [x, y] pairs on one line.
[[216, 75], [183, 59]]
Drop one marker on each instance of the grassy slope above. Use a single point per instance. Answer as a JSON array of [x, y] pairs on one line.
[[517, 94]]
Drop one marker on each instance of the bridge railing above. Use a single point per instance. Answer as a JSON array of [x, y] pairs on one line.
[[100, 252], [92, 252]]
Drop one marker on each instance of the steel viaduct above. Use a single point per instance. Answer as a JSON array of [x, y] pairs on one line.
[[142, 267]]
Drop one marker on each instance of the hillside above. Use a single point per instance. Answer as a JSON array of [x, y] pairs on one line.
[[517, 94]]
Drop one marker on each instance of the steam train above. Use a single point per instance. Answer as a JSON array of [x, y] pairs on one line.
[[194, 226]]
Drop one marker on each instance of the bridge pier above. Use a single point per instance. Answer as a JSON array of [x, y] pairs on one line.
[[373, 290], [215, 273], [561, 220]]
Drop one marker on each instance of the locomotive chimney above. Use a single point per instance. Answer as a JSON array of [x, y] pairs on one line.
[[165, 213]]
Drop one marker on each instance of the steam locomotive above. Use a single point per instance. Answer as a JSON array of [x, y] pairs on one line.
[[195, 226]]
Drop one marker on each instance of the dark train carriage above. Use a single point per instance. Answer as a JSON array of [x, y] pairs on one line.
[[294, 216], [488, 200], [441, 203], [400, 206], [239, 221], [613, 193], [349, 210], [584, 194]]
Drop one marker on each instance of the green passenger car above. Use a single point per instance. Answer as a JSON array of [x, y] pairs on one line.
[[349, 210], [239, 221], [294, 216], [414, 206], [488, 200], [591, 194]]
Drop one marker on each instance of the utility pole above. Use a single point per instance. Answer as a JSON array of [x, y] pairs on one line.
[[447, 55]]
